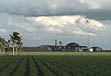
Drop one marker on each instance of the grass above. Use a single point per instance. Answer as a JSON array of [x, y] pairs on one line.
[[58, 63]]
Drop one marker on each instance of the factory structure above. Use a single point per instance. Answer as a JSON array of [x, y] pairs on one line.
[[73, 47]]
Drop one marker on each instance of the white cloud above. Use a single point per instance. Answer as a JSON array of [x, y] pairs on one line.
[[68, 24], [22, 16], [93, 4], [57, 24], [81, 32], [44, 29], [3, 30], [52, 29], [26, 27], [53, 6]]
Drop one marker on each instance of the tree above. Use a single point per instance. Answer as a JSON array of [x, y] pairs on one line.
[[14, 38], [19, 44], [61, 46], [2, 44], [60, 42], [8, 44]]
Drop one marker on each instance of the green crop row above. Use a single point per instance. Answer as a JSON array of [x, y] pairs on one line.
[[50, 64], [63, 53], [88, 66]]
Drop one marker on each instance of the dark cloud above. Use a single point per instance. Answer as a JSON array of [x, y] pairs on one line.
[[22, 16], [44, 29], [98, 14], [92, 9]]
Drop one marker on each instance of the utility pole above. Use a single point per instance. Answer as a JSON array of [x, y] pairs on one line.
[[55, 45], [55, 42], [88, 41]]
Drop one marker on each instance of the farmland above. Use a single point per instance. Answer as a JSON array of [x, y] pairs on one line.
[[56, 64]]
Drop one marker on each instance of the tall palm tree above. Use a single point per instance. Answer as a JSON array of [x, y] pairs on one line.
[[13, 39], [19, 47], [61, 46], [8, 45], [60, 42], [0, 47], [2, 44], [19, 44]]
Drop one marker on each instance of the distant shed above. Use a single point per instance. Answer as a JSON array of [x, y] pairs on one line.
[[95, 49]]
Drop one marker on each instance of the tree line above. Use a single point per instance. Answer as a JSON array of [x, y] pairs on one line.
[[14, 44]]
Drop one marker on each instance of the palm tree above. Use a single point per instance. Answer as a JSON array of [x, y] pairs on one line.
[[0, 47], [2, 44], [8, 45], [60, 42], [19, 44], [13, 39]]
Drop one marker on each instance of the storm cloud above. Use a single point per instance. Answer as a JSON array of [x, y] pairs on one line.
[[34, 8], [44, 29], [43, 21]]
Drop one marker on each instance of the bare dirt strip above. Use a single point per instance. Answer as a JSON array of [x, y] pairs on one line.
[[39, 71], [15, 69], [7, 65], [27, 67]]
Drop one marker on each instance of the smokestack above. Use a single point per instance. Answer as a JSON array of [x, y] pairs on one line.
[[55, 42]]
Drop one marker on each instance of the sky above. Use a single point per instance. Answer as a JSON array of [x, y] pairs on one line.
[[40, 22]]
